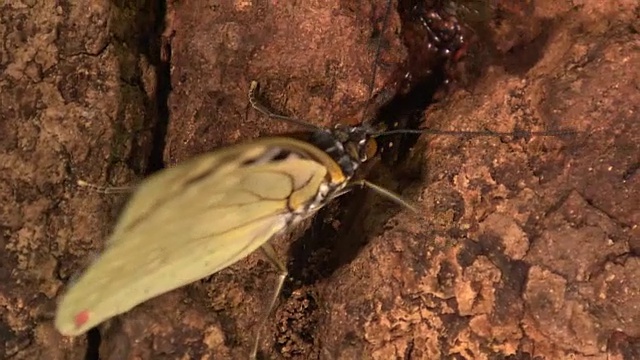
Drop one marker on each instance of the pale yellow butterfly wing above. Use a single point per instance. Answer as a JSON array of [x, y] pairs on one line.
[[188, 222]]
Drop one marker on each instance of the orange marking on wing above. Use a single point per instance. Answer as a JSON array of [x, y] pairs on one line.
[[81, 318]]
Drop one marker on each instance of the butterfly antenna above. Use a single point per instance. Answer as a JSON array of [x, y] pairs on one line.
[[517, 133], [376, 56], [254, 90]]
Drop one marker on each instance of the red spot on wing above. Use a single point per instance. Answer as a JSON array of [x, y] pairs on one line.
[[81, 318]]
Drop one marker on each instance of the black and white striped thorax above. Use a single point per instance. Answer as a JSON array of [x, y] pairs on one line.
[[348, 146]]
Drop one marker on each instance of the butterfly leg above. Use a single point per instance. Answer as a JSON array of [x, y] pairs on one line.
[[254, 89], [105, 189], [270, 253], [380, 190]]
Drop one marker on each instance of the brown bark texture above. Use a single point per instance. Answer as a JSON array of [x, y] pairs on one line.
[[523, 246]]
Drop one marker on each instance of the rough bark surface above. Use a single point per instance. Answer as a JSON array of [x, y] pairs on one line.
[[522, 248]]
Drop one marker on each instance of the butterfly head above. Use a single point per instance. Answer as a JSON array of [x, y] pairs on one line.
[[348, 146]]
